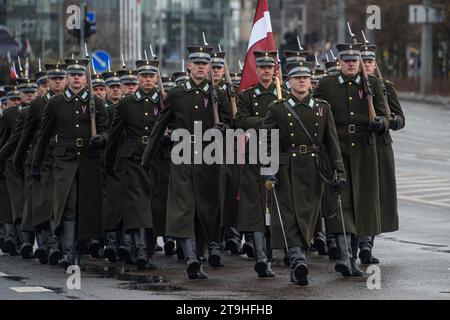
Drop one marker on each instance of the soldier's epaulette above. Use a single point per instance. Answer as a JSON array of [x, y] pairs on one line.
[[321, 100], [389, 82]]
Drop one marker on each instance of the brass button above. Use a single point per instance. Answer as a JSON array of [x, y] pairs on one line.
[[77, 125], [146, 113], [350, 83], [313, 155], [315, 134], [292, 134], [146, 128], [289, 114], [291, 124], [77, 112], [293, 145], [317, 104], [257, 113], [256, 103], [197, 92], [353, 144], [317, 124], [317, 114], [350, 98], [352, 113], [78, 153], [254, 96], [294, 154], [76, 99], [146, 100], [196, 107]]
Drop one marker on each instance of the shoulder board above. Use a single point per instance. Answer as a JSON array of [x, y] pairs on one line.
[[321, 100]]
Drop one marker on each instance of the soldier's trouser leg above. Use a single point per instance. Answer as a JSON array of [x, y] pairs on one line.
[[344, 254], [169, 245], [140, 243], [125, 251], [68, 235], [2, 236], [247, 247], [151, 247], [365, 253], [193, 265], [11, 243], [261, 265], [214, 258], [356, 271], [53, 241], [26, 250], [298, 266], [319, 238], [111, 242], [331, 246], [233, 240], [179, 251]]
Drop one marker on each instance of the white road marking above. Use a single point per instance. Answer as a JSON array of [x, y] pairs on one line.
[[3, 274], [30, 289]]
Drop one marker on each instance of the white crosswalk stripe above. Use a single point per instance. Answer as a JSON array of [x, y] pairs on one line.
[[30, 289], [424, 188]]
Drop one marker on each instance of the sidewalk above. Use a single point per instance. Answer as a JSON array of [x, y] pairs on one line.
[[432, 99]]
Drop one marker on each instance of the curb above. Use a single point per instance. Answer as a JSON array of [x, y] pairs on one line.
[[432, 99]]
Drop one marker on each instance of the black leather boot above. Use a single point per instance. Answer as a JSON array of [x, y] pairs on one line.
[[68, 244], [193, 265], [261, 265], [331, 246], [140, 242], [365, 250], [26, 250], [94, 248], [169, 246], [298, 266], [233, 241], [41, 252], [247, 247], [214, 258], [152, 242], [111, 246], [179, 251], [125, 251], [343, 255], [11, 242], [356, 271], [54, 252]]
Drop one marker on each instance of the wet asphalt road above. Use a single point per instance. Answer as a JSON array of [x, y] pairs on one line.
[[415, 261]]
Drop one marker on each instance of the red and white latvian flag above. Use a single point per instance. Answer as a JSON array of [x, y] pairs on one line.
[[261, 38]]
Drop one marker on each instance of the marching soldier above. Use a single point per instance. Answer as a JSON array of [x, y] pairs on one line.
[[306, 128], [15, 118], [168, 83], [99, 86], [129, 80], [386, 164], [180, 77], [135, 115], [42, 82], [9, 98], [252, 108], [231, 175], [360, 200], [77, 172], [318, 73], [41, 201], [193, 204]]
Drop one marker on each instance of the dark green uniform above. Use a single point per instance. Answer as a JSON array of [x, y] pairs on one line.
[[41, 199], [5, 203], [300, 184], [386, 166], [360, 201], [77, 166], [14, 119], [136, 115], [194, 192], [252, 108]]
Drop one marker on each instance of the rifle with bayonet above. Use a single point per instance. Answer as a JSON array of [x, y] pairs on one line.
[[367, 87], [162, 92], [215, 99], [230, 87], [91, 95]]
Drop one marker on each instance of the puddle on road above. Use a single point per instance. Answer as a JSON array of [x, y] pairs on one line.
[[136, 280]]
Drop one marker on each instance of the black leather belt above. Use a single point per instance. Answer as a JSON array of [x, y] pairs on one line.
[[72, 142], [352, 128], [304, 149]]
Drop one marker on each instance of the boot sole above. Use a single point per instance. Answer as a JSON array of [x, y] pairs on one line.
[[193, 270], [10, 248], [343, 269], [215, 261], [301, 273], [261, 269], [320, 247]]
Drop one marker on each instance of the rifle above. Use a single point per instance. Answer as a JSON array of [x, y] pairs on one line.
[[383, 87], [367, 87], [160, 84], [230, 87], [91, 95], [215, 99]]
